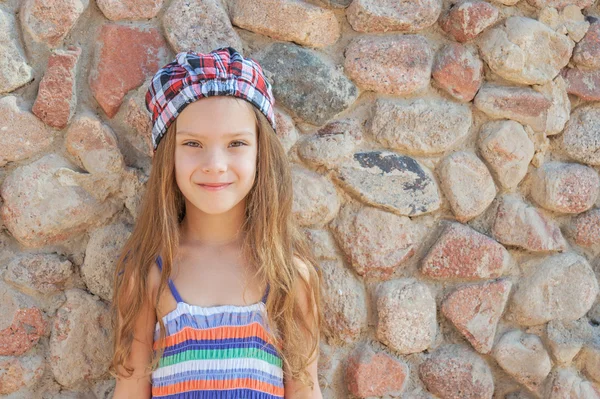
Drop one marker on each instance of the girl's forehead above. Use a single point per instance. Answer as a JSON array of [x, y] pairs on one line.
[[217, 115]]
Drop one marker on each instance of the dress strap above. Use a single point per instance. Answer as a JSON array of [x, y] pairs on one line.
[[264, 298], [171, 283]]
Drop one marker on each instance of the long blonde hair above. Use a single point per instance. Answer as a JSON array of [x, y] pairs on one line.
[[272, 239]]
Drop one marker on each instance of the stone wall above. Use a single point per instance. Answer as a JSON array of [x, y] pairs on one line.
[[446, 161]]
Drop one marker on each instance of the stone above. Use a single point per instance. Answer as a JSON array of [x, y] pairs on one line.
[[522, 104], [520, 224], [390, 181], [524, 357], [560, 4], [566, 338], [139, 119], [507, 150], [22, 323], [309, 86], [81, 339], [14, 69], [23, 135], [591, 355], [364, 236], [582, 83], [322, 243], [49, 21], [315, 198], [568, 21], [467, 19], [525, 51], [565, 187], [476, 309], [467, 184], [286, 130], [456, 372], [199, 25], [371, 374], [458, 71], [292, 21], [420, 126], [584, 228], [109, 82], [565, 383], [20, 373], [581, 137], [463, 253], [133, 189], [331, 144], [406, 315], [388, 15], [38, 273], [98, 268], [57, 99], [560, 109], [117, 10], [587, 52], [392, 64], [41, 208], [563, 287], [344, 303]]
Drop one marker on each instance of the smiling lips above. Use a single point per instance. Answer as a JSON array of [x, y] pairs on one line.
[[214, 186]]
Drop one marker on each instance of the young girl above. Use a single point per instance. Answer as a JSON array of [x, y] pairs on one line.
[[216, 294]]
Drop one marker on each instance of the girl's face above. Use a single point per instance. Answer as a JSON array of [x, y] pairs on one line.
[[216, 143]]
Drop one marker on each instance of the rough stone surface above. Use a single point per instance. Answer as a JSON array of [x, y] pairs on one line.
[[42, 206], [456, 372], [591, 355], [20, 373], [139, 120], [581, 138], [569, 20], [420, 126], [521, 104], [286, 130], [406, 312], [524, 357], [364, 235], [583, 83], [309, 86], [331, 144], [467, 19], [565, 187], [476, 309], [563, 287], [344, 304], [49, 21], [81, 339], [23, 135], [560, 108], [389, 15], [291, 21], [43, 273], [458, 71], [565, 383], [391, 64], [98, 268], [14, 69], [145, 50], [467, 184], [584, 229], [371, 374], [560, 3], [507, 150], [463, 253], [390, 181], [587, 51], [525, 51], [57, 98], [566, 338], [117, 10], [315, 198], [518, 223]]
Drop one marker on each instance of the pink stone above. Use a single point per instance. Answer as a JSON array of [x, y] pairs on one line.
[[476, 309], [27, 327], [49, 21], [56, 99], [374, 374], [587, 51], [585, 84], [585, 228], [125, 57], [466, 19], [392, 64], [129, 9], [389, 15], [458, 71]]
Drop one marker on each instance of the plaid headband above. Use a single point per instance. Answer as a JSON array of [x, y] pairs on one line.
[[191, 76]]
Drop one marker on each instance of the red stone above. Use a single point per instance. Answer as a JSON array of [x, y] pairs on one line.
[[458, 71], [374, 374], [466, 19], [25, 331], [585, 84], [56, 94], [125, 57]]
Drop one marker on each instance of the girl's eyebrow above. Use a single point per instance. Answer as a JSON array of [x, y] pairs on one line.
[[233, 134]]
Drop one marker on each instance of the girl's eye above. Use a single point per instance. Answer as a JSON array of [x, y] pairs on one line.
[[193, 142]]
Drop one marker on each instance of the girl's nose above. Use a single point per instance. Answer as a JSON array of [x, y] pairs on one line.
[[216, 161]]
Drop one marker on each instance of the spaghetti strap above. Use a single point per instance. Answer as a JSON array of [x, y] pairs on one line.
[[171, 283], [264, 298]]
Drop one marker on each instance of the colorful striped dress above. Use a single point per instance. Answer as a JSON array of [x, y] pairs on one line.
[[218, 352]]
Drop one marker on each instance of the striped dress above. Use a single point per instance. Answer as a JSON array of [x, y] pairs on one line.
[[218, 352]]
